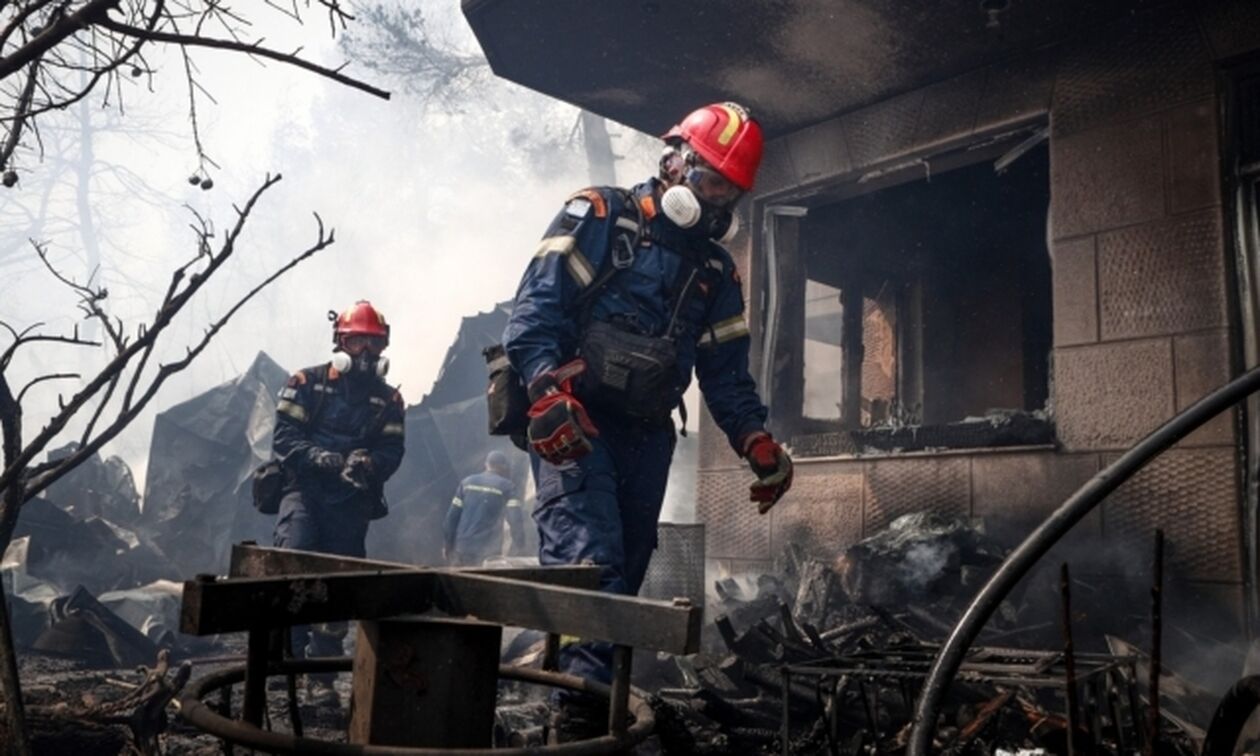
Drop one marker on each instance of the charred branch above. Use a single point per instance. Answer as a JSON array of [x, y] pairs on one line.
[[251, 48]]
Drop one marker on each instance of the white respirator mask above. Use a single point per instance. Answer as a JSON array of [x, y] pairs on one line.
[[345, 364], [680, 205]]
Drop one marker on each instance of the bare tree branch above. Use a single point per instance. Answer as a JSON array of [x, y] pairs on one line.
[[43, 378], [23, 108], [175, 300], [242, 47], [130, 410], [54, 34]]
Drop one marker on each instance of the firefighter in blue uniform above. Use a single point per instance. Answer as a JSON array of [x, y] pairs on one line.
[[339, 436], [473, 529], [629, 291]]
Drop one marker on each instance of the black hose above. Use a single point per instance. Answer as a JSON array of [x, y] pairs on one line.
[[1035, 546]]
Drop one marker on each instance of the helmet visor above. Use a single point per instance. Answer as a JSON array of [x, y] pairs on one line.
[[712, 187], [355, 344]]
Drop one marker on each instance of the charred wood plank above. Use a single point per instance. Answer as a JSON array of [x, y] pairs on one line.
[[223, 606], [249, 560], [623, 620]]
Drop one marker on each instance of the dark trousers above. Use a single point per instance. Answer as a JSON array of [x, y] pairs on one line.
[[309, 523], [603, 509]]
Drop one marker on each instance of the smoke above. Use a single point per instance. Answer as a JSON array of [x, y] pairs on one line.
[[435, 214]]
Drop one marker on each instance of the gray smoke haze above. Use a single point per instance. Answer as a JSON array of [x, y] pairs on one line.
[[436, 213]]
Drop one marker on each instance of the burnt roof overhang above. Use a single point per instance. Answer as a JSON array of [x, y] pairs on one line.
[[646, 63]]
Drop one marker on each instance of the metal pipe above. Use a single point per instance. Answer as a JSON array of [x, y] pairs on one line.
[[619, 696], [785, 725], [194, 711], [1157, 637], [950, 656], [1069, 657]]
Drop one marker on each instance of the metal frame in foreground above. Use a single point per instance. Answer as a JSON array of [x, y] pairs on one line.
[[269, 589], [194, 710]]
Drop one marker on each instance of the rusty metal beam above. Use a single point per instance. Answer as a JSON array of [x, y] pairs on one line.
[[250, 560]]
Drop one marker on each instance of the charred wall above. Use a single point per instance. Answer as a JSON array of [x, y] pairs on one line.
[[1141, 285]]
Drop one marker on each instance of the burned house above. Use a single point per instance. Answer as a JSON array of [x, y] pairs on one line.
[[993, 244]]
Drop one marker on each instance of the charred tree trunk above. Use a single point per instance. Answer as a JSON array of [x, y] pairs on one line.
[[10, 504], [600, 160]]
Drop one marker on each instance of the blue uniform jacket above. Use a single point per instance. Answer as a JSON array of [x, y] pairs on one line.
[[353, 414], [474, 523], [542, 332]]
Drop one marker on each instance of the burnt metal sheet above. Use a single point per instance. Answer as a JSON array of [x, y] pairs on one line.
[[737, 530], [677, 566], [646, 63]]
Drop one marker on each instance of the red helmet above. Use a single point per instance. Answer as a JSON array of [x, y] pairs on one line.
[[361, 320], [727, 138]]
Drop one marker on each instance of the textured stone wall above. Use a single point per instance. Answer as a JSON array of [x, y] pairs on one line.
[[1141, 287]]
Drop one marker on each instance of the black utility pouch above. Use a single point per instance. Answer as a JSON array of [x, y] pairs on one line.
[[268, 487], [506, 399], [631, 374]]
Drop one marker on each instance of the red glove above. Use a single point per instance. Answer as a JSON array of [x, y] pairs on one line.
[[773, 468], [559, 428]]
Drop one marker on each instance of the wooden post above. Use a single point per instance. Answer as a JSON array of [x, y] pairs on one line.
[[255, 704], [425, 682]]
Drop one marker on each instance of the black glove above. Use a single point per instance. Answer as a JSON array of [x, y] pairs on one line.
[[357, 470], [327, 461]]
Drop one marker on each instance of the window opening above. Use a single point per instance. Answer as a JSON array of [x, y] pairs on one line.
[[925, 314]]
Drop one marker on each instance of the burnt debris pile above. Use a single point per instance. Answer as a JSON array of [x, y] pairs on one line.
[[830, 655]]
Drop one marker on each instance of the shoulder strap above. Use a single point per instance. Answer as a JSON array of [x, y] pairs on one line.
[[627, 229]]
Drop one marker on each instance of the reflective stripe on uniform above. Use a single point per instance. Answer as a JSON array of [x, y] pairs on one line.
[[295, 411], [514, 503], [726, 330], [574, 260], [457, 502], [482, 489], [392, 429]]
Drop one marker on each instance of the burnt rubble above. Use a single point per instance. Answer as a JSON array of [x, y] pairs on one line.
[[831, 655]]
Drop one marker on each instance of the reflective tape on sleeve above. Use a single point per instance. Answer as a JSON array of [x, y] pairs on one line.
[[726, 330], [574, 261], [292, 409]]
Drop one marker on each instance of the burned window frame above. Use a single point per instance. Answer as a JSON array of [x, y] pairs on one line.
[[781, 217]]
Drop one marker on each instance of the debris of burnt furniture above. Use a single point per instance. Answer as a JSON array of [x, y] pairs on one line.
[[420, 683]]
